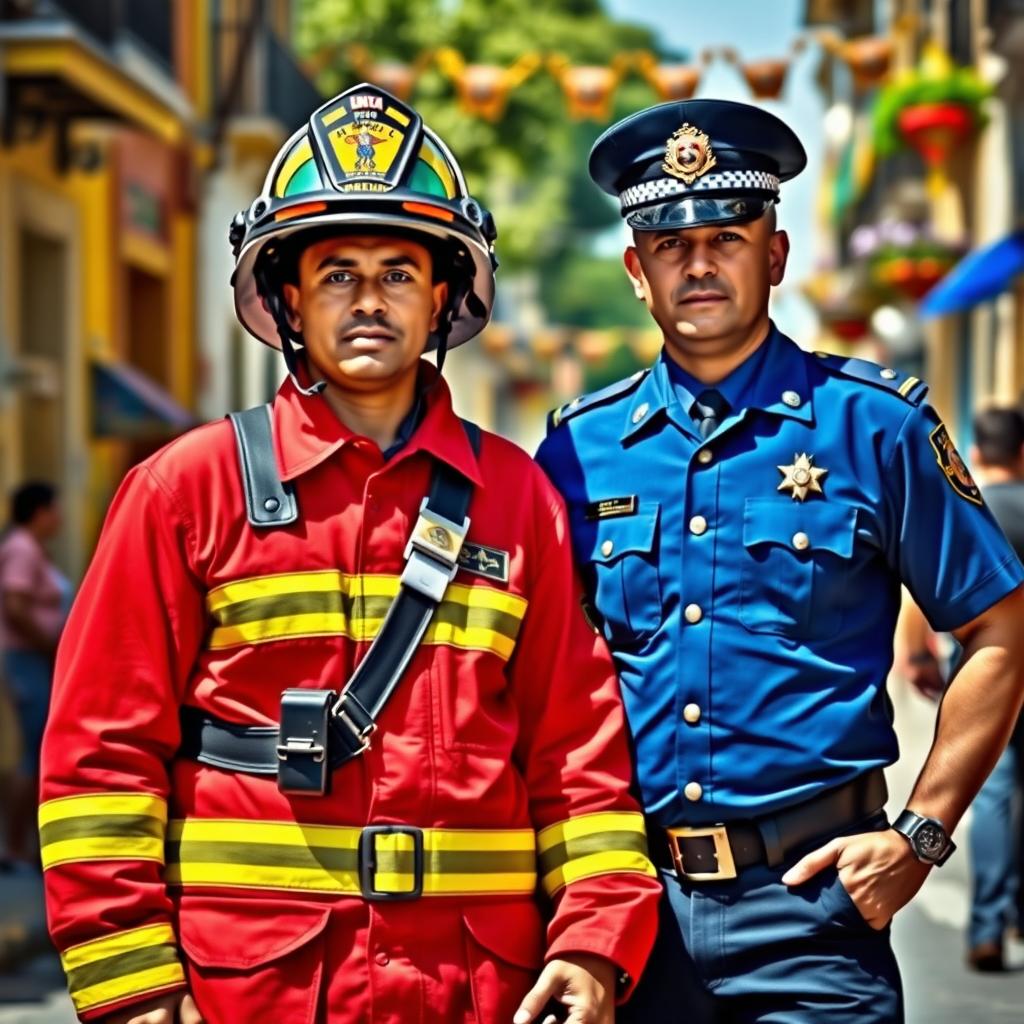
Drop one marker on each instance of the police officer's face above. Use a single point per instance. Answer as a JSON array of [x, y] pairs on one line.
[[707, 287], [365, 305]]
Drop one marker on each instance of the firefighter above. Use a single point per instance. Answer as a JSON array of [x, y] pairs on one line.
[[328, 714]]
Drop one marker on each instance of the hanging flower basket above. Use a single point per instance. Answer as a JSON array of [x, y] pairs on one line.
[[933, 109]]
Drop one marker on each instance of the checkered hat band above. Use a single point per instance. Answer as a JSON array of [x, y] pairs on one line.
[[651, 191]]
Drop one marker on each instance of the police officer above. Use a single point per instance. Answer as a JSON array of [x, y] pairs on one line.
[[744, 513], [311, 755]]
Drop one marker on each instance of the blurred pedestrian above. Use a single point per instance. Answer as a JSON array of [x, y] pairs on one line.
[[34, 599], [997, 458]]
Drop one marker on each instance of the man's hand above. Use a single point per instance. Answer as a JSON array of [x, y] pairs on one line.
[[877, 869], [177, 1008], [583, 983], [921, 670]]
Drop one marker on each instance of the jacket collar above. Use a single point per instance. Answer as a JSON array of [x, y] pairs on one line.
[[306, 430], [781, 389]]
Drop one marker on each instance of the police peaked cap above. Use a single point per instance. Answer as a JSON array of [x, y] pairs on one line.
[[693, 162]]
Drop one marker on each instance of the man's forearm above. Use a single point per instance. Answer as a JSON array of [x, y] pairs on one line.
[[977, 714]]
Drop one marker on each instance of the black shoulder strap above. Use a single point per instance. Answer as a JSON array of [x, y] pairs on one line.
[[268, 501], [431, 563]]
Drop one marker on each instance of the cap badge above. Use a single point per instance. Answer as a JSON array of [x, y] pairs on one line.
[[688, 154], [802, 478]]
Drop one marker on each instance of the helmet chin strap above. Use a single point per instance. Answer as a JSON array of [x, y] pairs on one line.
[[290, 351]]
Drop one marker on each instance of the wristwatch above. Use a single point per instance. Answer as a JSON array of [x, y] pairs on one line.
[[928, 837]]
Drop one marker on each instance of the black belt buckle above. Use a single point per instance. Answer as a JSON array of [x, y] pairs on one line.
[[368, 863], [303, 761]]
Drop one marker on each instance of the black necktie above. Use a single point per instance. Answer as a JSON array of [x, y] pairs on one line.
[[709, 409]]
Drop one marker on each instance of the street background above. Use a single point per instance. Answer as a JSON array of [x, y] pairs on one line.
[[132, 131]]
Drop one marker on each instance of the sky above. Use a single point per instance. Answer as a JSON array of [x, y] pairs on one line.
[[755, 29]]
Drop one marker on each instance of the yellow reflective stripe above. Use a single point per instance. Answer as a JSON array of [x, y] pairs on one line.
[[606, 842], [261, 876], [276, 833], [480, 631], [241, 854], [89, 804], [274, 586], [111, 945], [102, 826], [305, 624], [330, 581], [150, 980], [103, 848], [610, 862], [397, 115], [302, 152], [478, 639], [252, 876], [589, 824]]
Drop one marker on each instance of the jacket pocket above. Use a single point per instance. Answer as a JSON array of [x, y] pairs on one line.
[[245, 956], [795, 570], [627, 585], [504, 953]]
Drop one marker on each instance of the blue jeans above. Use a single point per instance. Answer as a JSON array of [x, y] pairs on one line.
[[995, 846], [28, 678], [751, 950]]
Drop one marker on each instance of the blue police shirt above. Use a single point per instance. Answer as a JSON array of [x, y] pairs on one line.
[[751, 625]]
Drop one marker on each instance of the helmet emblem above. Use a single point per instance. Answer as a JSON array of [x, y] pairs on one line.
[[688, 154]]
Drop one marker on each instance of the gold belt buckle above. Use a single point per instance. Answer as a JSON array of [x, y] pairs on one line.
[[723, 853]]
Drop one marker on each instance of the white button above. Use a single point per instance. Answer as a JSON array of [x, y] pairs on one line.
[[693, 791], [704, 456], [694, 613], [792, 399], [889, 374], [691, 713], [698, 525], [607, 548], [641, 412], [801, 541]]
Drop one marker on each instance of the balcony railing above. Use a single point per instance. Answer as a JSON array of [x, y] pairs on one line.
[[148, 23]]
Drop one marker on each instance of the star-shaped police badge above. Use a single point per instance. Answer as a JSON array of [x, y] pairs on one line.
[[802, 478]]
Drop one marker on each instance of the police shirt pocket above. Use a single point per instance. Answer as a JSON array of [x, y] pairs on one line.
[[244, 955], [504, 953], [796, 564], [627, 585]]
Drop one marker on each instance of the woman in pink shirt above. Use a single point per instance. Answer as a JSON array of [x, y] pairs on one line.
[[34, 598]]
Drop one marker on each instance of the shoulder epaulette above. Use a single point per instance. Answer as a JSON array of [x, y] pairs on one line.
[[594, 399], [911, 389]]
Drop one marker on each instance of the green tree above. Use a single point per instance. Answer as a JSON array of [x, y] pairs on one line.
[[529, 168]]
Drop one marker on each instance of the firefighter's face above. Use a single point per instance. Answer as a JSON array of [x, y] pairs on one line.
[[365, 305]]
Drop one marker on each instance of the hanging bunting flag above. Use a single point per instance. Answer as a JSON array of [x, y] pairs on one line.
[[484, 89], [869, 58], [669, 81], [766, 78], [588, 88], [396, 76]]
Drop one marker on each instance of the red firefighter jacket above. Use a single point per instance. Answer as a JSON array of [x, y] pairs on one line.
[[504, 741]]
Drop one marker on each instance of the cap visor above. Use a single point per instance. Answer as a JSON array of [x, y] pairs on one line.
[[694, 212]]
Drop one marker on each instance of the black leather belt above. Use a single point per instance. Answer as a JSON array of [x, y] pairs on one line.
[[719, 852]]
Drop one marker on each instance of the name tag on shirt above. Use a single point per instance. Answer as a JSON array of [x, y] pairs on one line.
[[484, 561], [612, 508]]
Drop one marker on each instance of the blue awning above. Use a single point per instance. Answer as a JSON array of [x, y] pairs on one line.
[[128, 404], [980, 275]]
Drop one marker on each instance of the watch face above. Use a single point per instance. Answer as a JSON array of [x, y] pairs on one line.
[[930, 840]]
